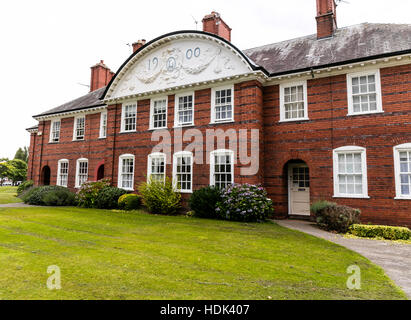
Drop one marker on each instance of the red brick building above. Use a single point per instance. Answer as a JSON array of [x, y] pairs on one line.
[[326, 116]]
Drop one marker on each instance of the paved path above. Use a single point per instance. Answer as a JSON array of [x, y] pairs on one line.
[[15, 205], [394, 258]]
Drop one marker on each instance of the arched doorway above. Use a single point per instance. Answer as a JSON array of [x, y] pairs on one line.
[[100, 172], [45, 176], [298, 188]]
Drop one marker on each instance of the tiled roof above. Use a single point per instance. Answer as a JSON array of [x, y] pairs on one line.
[[89, 100], [347, 44]]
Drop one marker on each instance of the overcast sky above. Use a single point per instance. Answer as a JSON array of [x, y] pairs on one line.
[[47, 47]]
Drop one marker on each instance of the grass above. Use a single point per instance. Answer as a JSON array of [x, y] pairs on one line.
[[8, 195], [113, 255]]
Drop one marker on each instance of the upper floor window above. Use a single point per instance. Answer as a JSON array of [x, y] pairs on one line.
[[103, 124], [184, 110], [158, 113], [126, 172], [402, 166], [364, 92], [221, 168], [129, 117], [62, 173], [156, 167], [350, 172], [183, 171], [55, 131], [293, 101], [79, 128], [222, 104], [81, 172]]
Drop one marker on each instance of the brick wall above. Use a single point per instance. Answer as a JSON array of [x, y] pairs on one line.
[[329, 127], [256, 107]]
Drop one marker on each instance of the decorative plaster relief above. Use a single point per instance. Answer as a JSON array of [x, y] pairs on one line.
[[180, 62]]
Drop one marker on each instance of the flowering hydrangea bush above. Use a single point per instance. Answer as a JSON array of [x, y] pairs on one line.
[[244, 202]]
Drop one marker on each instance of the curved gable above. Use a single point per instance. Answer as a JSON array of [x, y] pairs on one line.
[[175, 60]]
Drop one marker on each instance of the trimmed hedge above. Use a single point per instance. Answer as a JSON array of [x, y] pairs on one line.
[[386, 232], [24, 186], [49, 196], [129, 201], [333, 217], [203, 202]]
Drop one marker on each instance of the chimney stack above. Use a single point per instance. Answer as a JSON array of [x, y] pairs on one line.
[[213, 23], [137, 45], [326, 18], [100, 76]]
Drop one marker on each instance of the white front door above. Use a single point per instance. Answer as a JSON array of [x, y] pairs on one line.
[[299, 189]]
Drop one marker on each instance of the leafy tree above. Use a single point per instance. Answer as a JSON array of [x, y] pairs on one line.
[[6, 171], [19, 171], [22, 154]]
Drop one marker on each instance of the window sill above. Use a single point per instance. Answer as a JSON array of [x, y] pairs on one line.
[[364, 113], [183, 126], [77, 140], [54, 142], [222, 122], [126, 189], [294, 120], [351, 196], [154, 129], [130, 131], [185, 191], [102, 137], [402, 198]]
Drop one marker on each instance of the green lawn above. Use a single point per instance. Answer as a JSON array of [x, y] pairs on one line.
[[8, 195], [111, 255]]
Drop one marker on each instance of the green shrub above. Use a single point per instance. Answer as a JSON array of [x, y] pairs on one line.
[[204, 202], [107, 198], [24, 186], [87, 194], [320, 205], [49, 196], [63, 197], [159, 197], [129, 202], [333, 217], [386, 232], [244, 202]]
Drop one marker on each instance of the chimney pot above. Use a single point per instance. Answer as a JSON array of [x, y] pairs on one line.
[[100, 76], [213, 23], [137, 45], [326, 18]]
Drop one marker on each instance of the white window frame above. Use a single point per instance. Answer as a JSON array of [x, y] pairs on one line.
[[344, 150], [183, 154], [120, 163], [149, 159], [103, 133], [406, 147], [282, 100], [376, 73], [60, 162], [213, 104], [123, 125], [78, 171], [51, 130], [152, 101], [212, 163], [176, 105], [75, 138]]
